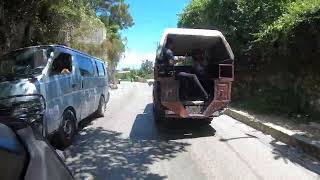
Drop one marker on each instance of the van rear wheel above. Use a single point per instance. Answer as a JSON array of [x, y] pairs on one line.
[[101, 108], [67, 130]]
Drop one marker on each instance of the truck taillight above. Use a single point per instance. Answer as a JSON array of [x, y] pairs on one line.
[[223, 91]]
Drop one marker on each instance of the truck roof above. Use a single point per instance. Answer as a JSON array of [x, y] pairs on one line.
[[185, 40], [195, 32]]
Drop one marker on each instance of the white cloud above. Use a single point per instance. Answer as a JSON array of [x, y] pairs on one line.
[[133, 59]]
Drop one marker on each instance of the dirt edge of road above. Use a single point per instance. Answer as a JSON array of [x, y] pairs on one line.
[[281, 134]]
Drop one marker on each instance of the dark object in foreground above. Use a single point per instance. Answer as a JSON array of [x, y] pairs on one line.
[[25, 154]]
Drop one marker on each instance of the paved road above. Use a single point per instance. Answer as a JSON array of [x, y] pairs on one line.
[[126, 144]]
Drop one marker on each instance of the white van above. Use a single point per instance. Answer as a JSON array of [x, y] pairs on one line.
[[54, 85]]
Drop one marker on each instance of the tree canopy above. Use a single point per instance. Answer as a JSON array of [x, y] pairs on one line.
[[66, 22], [147, 67], [245, 22], [91, 26]]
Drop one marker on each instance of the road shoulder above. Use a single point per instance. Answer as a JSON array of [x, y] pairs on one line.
[[308, 145]]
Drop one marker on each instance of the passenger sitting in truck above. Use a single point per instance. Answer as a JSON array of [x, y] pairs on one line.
[[168, 56], [198, 71], [169, 59]]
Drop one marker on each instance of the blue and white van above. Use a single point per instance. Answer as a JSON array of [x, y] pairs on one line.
[[53, 85]]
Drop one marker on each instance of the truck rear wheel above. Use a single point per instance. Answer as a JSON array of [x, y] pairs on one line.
[[158, 113], [158, 110]]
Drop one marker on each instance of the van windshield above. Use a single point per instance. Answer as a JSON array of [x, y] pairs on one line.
[[23, 63]]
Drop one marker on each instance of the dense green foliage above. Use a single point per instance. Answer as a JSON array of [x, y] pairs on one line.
[[89, 25], [237, 19], [67, 22], [246, 22], [147, 67], [283, 29], [276, 44], [296, 12]]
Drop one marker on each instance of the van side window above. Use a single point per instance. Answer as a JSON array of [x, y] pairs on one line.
[[62, 64], [85, 66], [101, 70]]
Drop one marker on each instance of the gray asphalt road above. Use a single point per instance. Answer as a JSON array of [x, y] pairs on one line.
[[126, 144]]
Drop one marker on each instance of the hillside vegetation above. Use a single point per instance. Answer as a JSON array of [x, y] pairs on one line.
[[89, 25], [277, 48]]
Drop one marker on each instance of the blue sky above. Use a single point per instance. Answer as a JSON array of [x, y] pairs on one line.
[[150, 18]]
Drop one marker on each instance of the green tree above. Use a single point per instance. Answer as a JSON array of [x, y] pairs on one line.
[[146, 67], [25, 23], [237, 19], [115, 16]]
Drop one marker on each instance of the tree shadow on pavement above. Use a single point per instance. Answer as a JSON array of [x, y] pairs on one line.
[[287, 153], [104, 154], [145, 128]]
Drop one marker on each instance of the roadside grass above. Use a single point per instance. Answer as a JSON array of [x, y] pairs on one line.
[[275, 102]]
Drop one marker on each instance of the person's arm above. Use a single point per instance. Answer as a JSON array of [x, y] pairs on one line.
[[65, 71]]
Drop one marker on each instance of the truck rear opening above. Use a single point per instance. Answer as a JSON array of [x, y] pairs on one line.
[[184, 97]]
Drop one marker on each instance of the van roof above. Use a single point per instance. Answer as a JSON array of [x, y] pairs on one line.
[[62, 46]]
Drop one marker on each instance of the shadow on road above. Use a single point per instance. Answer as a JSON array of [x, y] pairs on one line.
[[286, 153], [235, 138], [145, 128], [86, 122], [103, 154]]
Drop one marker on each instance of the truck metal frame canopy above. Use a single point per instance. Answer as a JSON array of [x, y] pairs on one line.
[[220, 60], [186, 40]]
